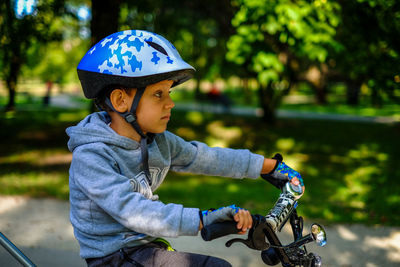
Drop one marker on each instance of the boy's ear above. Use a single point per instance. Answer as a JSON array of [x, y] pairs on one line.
[[120, 100]]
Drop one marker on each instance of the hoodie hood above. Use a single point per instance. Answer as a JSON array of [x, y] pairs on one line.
[[95, 128]]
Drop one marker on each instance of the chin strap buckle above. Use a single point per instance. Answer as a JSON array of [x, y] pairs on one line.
[[129, 118]]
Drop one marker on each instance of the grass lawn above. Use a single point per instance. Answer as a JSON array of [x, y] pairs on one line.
[[350, 169], [389, 110]]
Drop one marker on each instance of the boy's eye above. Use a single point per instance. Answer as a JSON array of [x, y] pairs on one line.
[[159, 94]]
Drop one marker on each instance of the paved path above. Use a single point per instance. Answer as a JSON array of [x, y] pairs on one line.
[[41, 229], [64, 100], [257, 112]]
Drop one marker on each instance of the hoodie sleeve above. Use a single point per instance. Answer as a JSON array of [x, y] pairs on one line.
[[197, 157], [96, 176]]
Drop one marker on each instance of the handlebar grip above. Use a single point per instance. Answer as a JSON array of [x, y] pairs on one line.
[[216, 230], [278, 157]]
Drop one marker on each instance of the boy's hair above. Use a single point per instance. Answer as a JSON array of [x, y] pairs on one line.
[[100, 101]]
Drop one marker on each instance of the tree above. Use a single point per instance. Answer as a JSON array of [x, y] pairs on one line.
[[19, 32], [198, 29], [283, 42], [371, 53], [105, 19]]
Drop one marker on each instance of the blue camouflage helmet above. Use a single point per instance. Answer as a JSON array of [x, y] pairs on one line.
[[132, 59]]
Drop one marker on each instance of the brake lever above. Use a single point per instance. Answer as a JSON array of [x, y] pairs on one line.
[[297, 224], [256, 237]]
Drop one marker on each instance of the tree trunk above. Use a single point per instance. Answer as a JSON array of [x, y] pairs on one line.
[[12, 77], [353, 93], [246, 90], [320, 93], [11, 85], [11, 58], [105, 18], [316, 77], [197, 93], [376, 99], [105, 21], [266, 96]]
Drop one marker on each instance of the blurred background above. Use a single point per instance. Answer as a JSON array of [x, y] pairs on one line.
[[317, 81]]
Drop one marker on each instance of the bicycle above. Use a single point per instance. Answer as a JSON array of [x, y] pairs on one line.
[[15, 252], [273, 252]]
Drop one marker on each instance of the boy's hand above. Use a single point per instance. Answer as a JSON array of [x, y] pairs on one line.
[[229, 213], [244, 221], [282, 173]]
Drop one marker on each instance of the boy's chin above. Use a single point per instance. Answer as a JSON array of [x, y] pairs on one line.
[[158, 131]]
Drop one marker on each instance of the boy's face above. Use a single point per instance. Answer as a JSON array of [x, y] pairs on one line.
[[154, 109]]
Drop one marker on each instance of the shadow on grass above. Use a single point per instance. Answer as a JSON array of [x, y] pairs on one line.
[[350, 169]]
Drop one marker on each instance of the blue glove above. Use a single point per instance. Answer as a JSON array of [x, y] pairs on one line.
[[211, 216], [284, 172]]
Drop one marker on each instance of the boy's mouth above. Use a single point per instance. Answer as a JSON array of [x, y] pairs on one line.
[[166, 117]]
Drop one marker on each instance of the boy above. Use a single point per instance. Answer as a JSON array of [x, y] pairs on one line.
[[122, 155]]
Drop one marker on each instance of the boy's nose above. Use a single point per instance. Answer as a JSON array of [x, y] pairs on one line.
[[170, 103]]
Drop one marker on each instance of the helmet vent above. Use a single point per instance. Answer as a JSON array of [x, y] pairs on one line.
[[157, 47]]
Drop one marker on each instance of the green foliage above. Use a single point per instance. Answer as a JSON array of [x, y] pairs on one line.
[[20, 33], [371, 47], [268, 66], [198, 29], [58, 60], [268, 29], [34, 159], [350, 176], [278, 41], [319, 42]]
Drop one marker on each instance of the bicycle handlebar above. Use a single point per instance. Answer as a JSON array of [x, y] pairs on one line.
[[256, 236], [262, 235], [216, 230], [220, 229]]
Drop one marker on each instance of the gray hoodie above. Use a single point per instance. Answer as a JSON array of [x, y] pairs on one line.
[[112, 204]]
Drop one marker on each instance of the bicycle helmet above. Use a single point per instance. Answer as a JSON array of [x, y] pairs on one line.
[[131, 59]]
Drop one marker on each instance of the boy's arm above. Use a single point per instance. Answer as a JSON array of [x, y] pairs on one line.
[[197, 157], [268, 165]]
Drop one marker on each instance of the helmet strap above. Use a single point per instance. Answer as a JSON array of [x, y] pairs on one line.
[[131, 118]]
